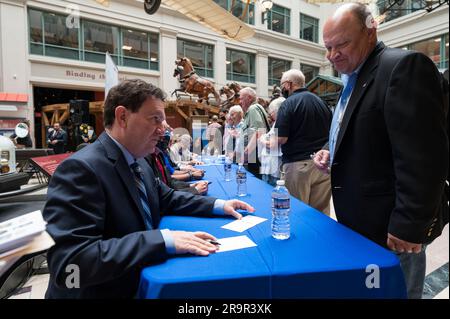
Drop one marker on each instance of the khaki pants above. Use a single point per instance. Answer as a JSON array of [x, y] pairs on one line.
[[305, 182]]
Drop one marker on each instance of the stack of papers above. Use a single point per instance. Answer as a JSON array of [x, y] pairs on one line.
[[20, 231]]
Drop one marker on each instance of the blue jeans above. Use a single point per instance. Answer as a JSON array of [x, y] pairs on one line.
[[413, 266]]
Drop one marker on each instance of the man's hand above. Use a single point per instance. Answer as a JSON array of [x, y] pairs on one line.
[[193, 243], [195, 162], [231, 205], [401, 246], [322, 160], [198, 174], [201, 187]]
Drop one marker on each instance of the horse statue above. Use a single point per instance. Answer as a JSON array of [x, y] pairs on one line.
[[231, 91], [190, 82]]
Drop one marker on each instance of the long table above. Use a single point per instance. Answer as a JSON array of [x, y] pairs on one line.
[[321, 259]]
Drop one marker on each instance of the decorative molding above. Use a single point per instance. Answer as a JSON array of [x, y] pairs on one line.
[[17, 3], [263, 53], [168, 32]]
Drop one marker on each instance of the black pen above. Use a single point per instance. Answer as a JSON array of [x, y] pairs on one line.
[[213, 242]]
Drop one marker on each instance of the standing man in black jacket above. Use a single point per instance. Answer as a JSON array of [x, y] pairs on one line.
[[388, 149]]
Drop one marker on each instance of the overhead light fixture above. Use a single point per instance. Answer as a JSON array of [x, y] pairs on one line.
[[153, 59], [127, 47], [266, 6], [437, 40], [227, 62]]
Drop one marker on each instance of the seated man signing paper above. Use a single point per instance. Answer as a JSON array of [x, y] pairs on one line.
[[104, 204]]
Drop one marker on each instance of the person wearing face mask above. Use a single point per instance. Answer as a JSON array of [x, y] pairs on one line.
[[303, 124], [187, 172]]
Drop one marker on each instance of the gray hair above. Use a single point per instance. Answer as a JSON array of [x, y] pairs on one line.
[[274, 106], [248, 91], [186, 138], [295, 76], [236, 109]]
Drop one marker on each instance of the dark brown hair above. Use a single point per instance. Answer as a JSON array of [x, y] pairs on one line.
[[131, 94]]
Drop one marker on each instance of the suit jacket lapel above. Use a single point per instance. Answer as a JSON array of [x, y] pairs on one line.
[[365, 79], [123, 170]]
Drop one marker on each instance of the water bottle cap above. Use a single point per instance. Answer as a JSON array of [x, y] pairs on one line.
[[280, 182]]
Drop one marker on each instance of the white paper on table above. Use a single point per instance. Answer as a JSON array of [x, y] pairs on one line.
[[244, 223], [233, 243], [18, 231]]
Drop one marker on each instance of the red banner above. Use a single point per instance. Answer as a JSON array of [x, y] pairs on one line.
[[48, 164]]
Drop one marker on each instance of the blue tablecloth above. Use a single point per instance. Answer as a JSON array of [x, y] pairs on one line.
[[322, 259]]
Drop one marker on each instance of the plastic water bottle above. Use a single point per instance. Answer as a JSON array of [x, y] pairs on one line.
[[281, 205], [227, 169], [241, 180]]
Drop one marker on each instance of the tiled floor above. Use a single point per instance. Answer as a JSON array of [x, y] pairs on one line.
[[436, 281]]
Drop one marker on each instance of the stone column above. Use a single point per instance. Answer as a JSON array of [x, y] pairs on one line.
[[168, 55], [262, 73]]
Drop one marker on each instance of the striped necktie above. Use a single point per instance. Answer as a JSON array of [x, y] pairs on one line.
[[138, 178]]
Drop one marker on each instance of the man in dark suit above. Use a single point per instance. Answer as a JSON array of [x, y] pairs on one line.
[[104, 203], [57, 139], [388, 149]]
